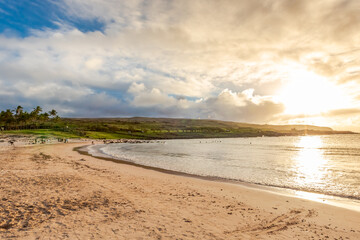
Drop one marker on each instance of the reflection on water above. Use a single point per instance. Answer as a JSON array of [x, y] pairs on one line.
[[321, 164], [312, 196], [310, 162]]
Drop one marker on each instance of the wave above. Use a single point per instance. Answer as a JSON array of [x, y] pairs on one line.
[[273, 162]]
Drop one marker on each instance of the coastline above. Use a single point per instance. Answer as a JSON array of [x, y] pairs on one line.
[[62, 194], [348, 203]]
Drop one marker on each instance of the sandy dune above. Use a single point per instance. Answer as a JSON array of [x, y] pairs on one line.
[[52, 192]]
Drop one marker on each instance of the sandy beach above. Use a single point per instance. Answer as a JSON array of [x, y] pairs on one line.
[[53, 192]]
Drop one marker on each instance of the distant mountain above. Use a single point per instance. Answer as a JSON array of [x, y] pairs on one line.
[[218, 123], [171, 128]]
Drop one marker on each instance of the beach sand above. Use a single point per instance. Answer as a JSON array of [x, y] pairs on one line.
[[53, 192]]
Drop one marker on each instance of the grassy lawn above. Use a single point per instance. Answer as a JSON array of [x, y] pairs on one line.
[[48, 133], [108, 135]]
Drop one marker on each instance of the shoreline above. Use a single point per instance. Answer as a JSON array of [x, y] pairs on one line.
[[54, 192], [338, 201]]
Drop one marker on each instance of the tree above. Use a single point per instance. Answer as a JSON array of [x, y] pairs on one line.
[[43, 117], [35, 114], [19, 110], [37, 110], [53, 113], [7, 116], [19, 119], [18, 115]]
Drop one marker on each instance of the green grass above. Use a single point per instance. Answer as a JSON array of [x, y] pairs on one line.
[[108, 135], [48, 133], [164, 128]]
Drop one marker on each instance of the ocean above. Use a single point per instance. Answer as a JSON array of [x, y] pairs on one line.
[[327, 164]]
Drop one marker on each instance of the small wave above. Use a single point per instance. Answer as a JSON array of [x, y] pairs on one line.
[[269, 163], [178, 155]]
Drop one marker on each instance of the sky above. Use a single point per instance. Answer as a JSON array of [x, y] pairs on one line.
[[256, 61]]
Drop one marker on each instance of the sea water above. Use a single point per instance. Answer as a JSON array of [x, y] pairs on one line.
[[327, 164]]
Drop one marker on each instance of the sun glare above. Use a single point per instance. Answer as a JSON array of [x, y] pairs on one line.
[[310, 160], [309, 93]]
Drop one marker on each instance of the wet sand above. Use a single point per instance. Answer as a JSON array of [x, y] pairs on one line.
[[53, 192]]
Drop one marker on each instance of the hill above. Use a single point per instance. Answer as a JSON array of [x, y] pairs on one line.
[[160, 128], [171, 128]]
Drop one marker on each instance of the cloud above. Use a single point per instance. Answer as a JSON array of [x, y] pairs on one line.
[[228, 105], [136, 88], [244, 107], [341, 112], [153, 98], [148, 53]]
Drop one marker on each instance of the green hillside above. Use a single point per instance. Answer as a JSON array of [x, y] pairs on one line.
[[170, 128], [48, 124]]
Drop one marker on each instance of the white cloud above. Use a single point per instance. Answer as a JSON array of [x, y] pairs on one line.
[[153, 98], [136, 88], [150, 52], [244, 107]]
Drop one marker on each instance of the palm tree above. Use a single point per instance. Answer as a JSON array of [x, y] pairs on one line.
[[53, 113], [43, 117], [8, 117], [19, 110], [18, 115], [37, 110], [18, 118], [35, 115]]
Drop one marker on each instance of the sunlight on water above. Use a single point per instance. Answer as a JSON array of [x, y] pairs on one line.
[[311, 164], [310, 161], [312, 196]]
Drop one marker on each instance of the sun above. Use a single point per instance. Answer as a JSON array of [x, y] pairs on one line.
[[310, 94]]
